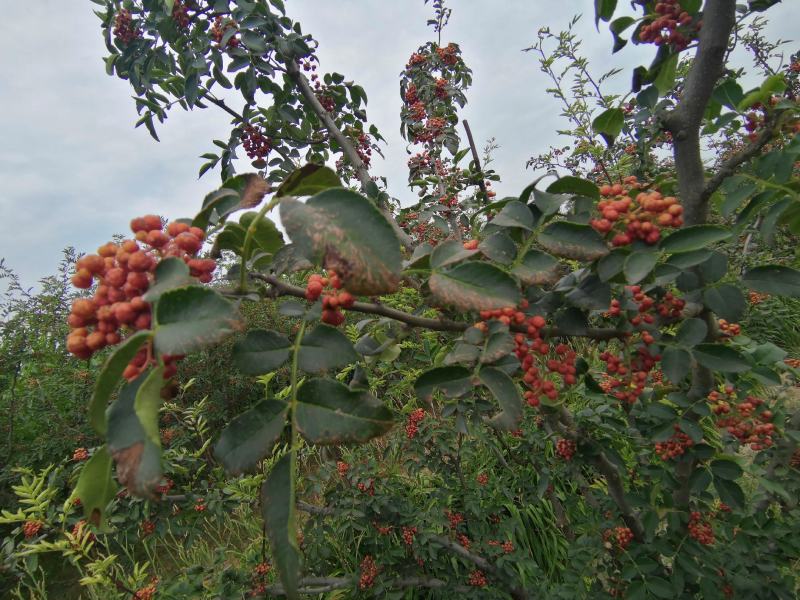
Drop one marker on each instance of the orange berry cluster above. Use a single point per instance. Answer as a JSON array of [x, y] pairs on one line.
[[673, 26], [792, 362], [624, 536], [757, 298], [219, 28], [441, 88], [369, 571], [255, 143], [125, 30], [416, 59], [700, 529], [448, 54], [674, 446], [148, 592], [333, 300], [80, 454], [566, 448], [471, 245], [729, 329], [412, 425], [124, 273], [477, 579], [644, 217], [31, 529], [742, 419], [408, 535]]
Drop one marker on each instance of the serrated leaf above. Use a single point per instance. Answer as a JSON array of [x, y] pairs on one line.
[[191, 318], [266, 235], [514, 214], [548, 202], [328, 412], [537, 268], [507, 395], [251, 436], [729, 492], [692, 238], [572, 240], [610, 122], [449, 252], [325, 347], [278, 511], [451, 381], [719, 357], [96, 487], [344, 231], [726, 300], [499, 247], [260, 352], [110, 375], [474, 286], [773, 279], [308, 180], [497, 346]]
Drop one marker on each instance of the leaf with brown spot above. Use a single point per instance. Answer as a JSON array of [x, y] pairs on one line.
[[254, 190], [537, 268], [573, 240], [474, 286], [344, 231]]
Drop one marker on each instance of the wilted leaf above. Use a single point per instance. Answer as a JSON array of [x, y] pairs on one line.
[[474, 286]]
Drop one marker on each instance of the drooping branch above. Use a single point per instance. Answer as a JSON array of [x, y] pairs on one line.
[[684, 121], [280, 287]]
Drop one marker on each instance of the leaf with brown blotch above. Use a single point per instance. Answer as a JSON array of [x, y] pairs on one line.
[[474, 286], [344, 231], [254, 190]]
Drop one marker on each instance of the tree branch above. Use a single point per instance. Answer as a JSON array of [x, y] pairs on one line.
[[477, 159], [685, 119], [320, 585], [283, 288]]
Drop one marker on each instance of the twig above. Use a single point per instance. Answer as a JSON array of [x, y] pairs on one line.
[[477, 159]]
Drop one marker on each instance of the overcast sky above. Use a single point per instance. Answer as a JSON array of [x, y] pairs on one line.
[[74, 171]]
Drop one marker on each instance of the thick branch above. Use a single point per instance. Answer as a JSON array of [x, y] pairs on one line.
[[685, 120], [283, 288]]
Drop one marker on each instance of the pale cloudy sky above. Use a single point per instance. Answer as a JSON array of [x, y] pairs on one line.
[[74, 171]]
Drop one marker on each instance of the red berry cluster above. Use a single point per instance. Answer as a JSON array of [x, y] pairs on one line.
[[464, 540], [79, 533], [441, 88], [200, 505], [180, 14], [383, 529], [125, 30], [366, 488], [507, 546], [332, 301], [742, 419], [729, 329], [482, 479], [449, 54], [674, 446], [369, 571], [124, 273], [700, 529], [342, 468], [80, 454], [455, 518], [471, 245], [643, 217], [412, 425], [255, 143], [671, 26], [477, 579], [364, 148], [624, 536], [31, 529], [416, 59], [566, 448], [220, 27], [626, 382], [408, 535], [148, 528]]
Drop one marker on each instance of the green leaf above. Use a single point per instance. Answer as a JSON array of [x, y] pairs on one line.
[[590, 294], [609, 122], [266, 235], [537, 268], [572, 240], [251, 436], [449, 252], [638, 265], [96, 487], [138, 458], [729, 492], [325, 348], [773, 279], [514, 214], [695, 237], [676, 363], [110, 375], [611, 264], [507, 395], [328, 412], [604, 10], [726, 469], [498, 345], [308, 180], [719, 357], [499, 247], [254, 42], [191, 318], [170, 273], [474, 286], [451, 381], [728, 93], [665, 80], [548, 202], [659, 587], [575, 185], [726, 300], [148, 402], [278, 510], [691, 332], [344, 231], [260, 352]]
